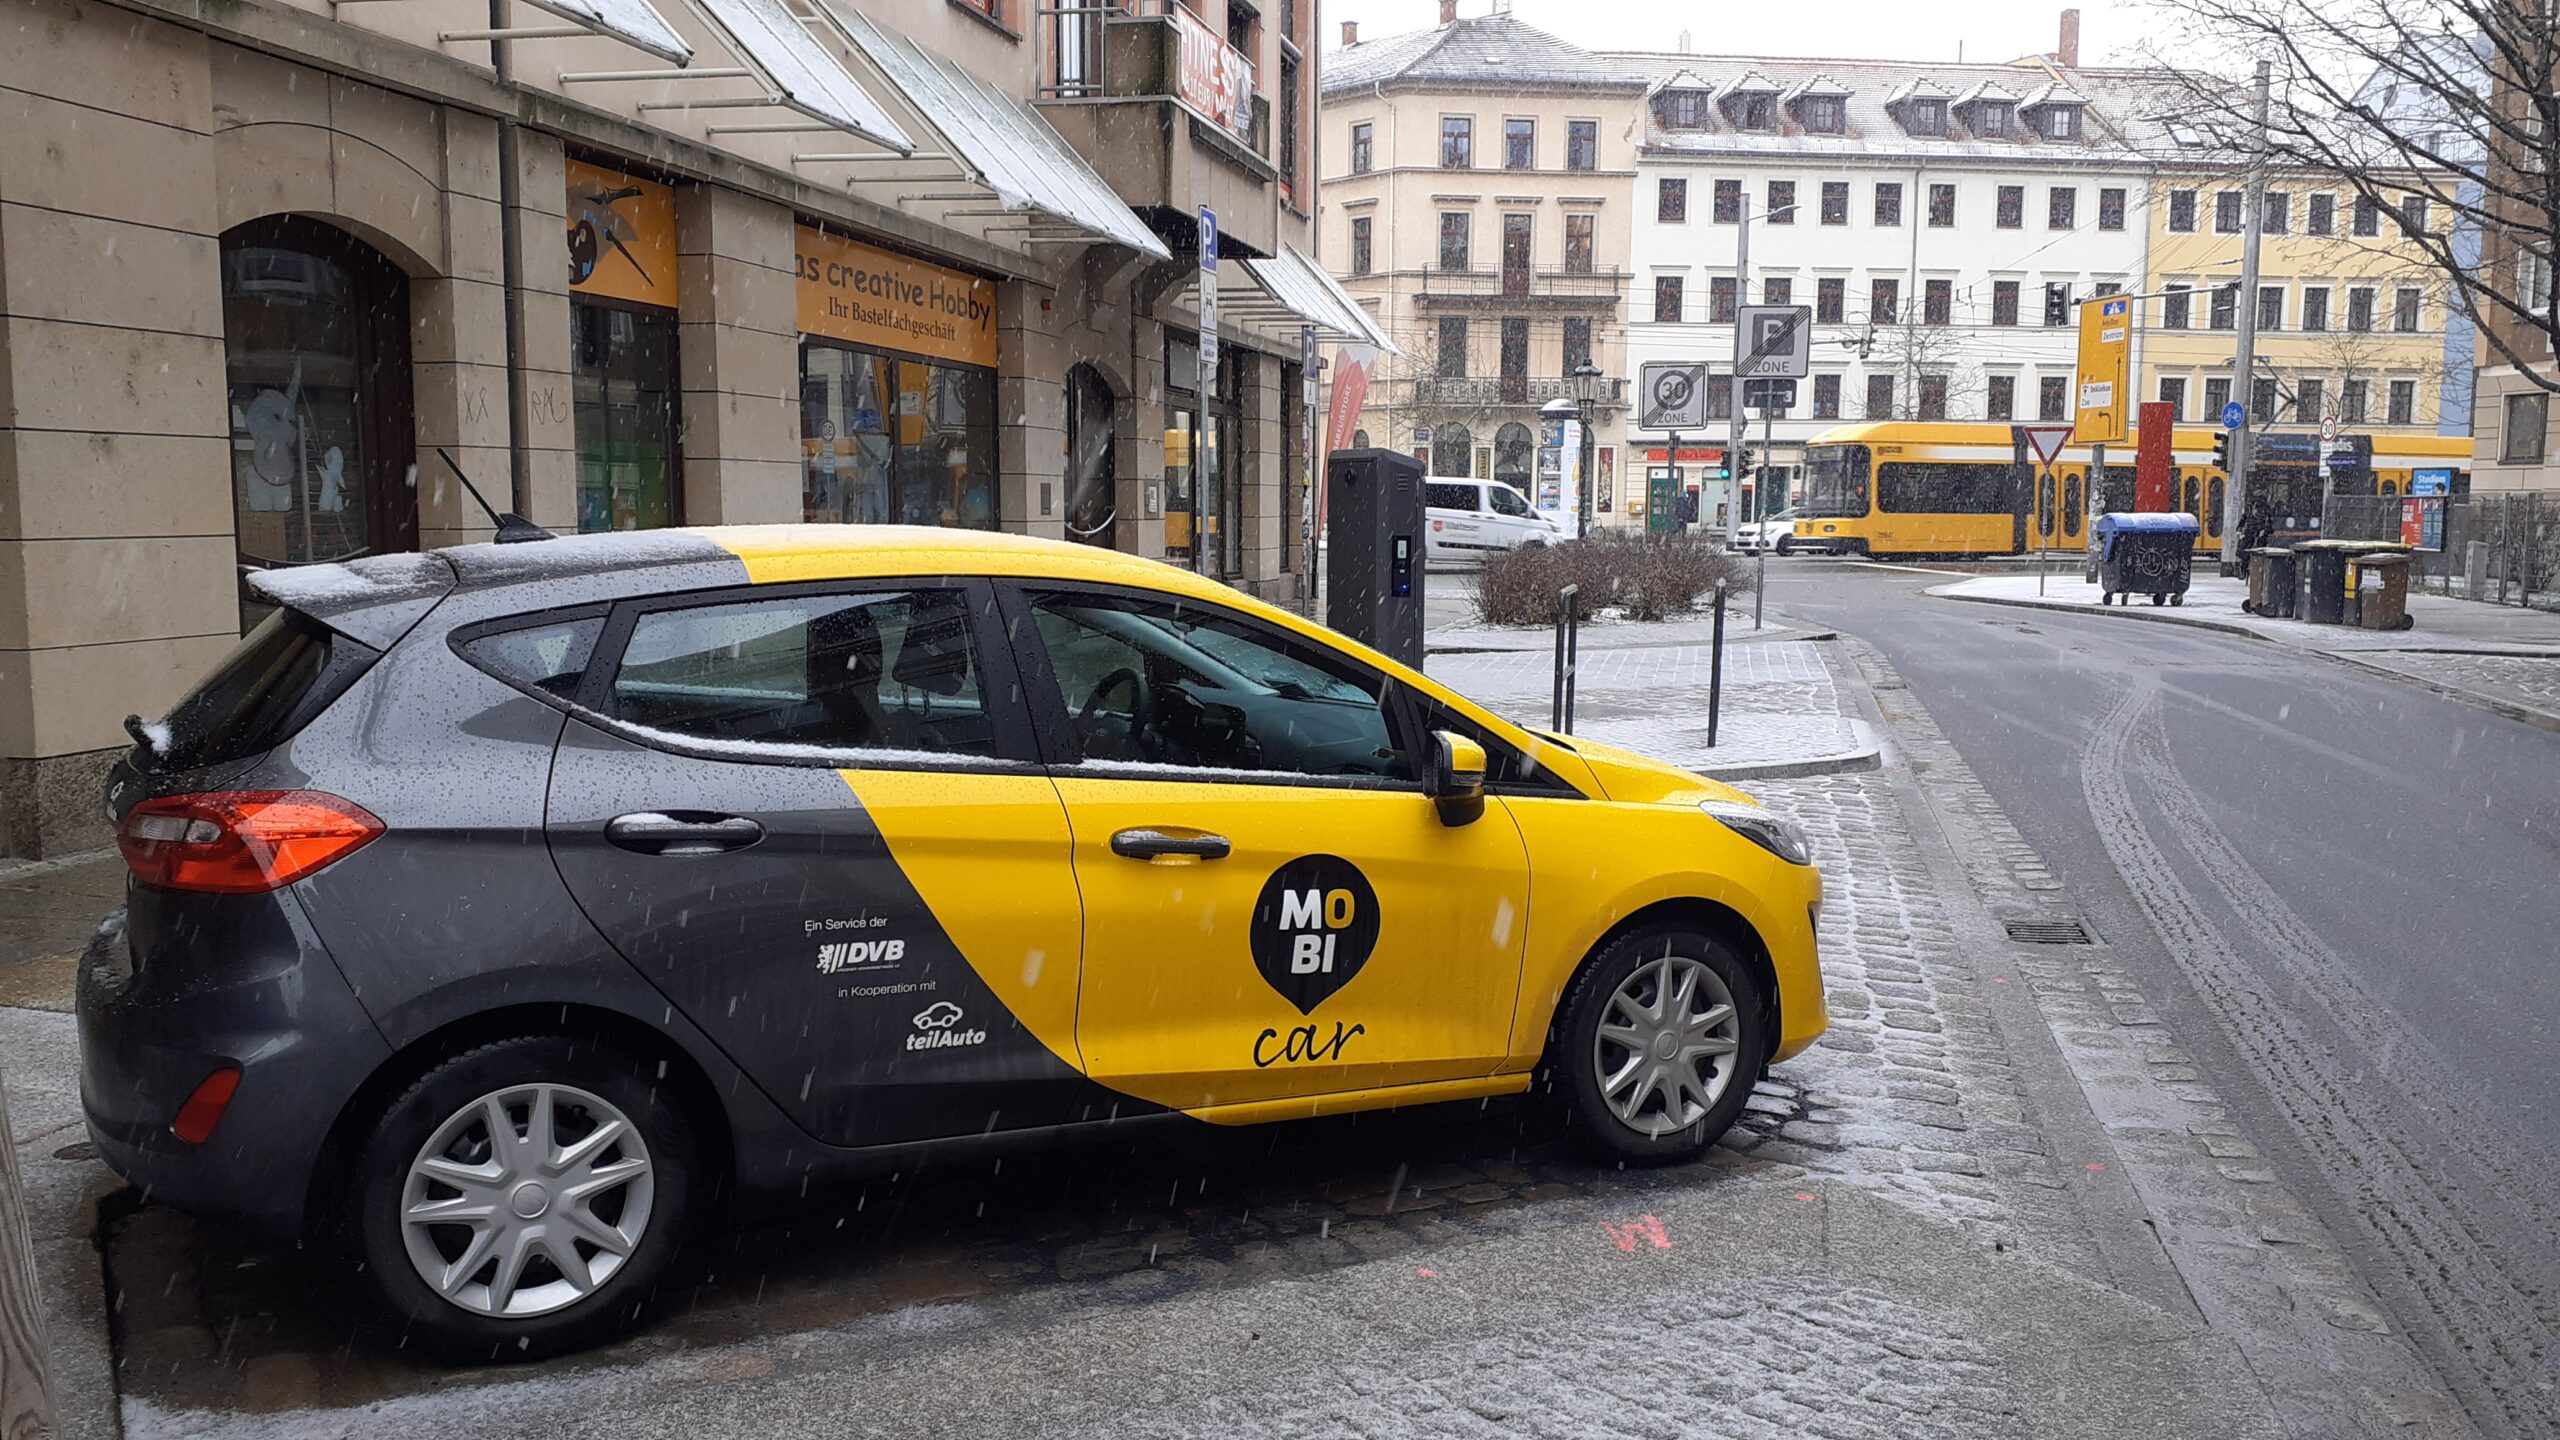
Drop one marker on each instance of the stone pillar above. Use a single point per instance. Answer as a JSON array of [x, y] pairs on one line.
[[1031, 410], [1264, 488], [458, 347], [738, 350], [116, 546]]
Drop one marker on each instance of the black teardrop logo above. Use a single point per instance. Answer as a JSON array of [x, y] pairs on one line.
[[1313, 928]]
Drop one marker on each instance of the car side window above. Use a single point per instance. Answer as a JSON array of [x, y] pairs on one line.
[[888, 670], [551, 658], [1504, 763], [1441, 496], [1166, 682], [1506, 501]]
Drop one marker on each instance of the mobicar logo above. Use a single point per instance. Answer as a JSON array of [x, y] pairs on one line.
[[1313, 928], [938, 1028]]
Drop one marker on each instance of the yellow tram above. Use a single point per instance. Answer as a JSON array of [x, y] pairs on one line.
[[1894, 487]]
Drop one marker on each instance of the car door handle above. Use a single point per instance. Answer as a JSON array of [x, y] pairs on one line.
[[1143, 844], [686, 832]]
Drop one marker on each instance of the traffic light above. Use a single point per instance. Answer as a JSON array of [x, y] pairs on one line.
[[2222, 451]]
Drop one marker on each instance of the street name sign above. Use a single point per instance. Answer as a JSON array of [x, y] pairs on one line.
[[1777, 342], [1674, 395]]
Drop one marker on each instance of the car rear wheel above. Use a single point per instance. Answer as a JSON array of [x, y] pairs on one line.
[[1786, 547], [524, 1198], [1662, 1037]]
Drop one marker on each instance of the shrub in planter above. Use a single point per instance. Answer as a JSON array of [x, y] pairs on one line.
[[1649, 577]]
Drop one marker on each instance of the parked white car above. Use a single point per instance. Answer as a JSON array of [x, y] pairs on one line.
[[1776, 533], [1471, 519]]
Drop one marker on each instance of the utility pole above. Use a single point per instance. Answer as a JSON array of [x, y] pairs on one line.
[[2244, 362], [1733, 377]]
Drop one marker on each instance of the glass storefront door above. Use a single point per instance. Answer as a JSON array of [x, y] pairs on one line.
[[626, 398], [316, 361]]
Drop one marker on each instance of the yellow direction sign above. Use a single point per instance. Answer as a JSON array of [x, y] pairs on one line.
[[2102, 413]]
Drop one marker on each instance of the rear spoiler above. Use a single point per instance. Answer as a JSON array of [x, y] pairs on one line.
[[374, 598]]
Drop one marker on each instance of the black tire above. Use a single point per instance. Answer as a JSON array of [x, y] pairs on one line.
[[1786, 547], [410, 1121], [1574, 1051]]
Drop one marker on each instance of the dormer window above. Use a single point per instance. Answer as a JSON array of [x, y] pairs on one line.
[[1686, 110], [1820, 105], [1920, 104], [2059, 122], [1928, 117], [1755, 112], [1991, 121]]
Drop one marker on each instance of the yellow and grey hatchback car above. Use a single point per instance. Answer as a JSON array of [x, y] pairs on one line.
[[497, 907]]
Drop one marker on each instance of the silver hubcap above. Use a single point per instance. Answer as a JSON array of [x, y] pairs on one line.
[[1665, 1049], [527, 1200]]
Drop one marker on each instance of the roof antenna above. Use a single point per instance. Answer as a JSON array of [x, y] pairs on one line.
[[513, 529]]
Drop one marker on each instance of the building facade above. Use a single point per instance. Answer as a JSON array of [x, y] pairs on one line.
[[1941, 222], [2350, 327], [2514, 443], [277, 276], [1476, 199]]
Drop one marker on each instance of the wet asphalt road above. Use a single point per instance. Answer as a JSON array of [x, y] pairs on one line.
[[2360, 882]]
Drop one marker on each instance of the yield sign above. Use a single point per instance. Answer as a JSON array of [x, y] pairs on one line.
[[2045, 442]]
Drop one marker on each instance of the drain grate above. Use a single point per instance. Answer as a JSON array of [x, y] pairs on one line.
[[2048, 932]]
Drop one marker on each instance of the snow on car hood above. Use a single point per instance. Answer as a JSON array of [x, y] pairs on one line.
[[1624, 775]]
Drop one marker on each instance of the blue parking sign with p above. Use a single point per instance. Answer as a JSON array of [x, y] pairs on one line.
[[1208, 238]]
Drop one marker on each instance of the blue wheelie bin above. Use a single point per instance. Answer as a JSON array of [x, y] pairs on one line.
[[2144, 553]]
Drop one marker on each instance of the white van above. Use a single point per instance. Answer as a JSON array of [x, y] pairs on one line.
[[1471, 519]]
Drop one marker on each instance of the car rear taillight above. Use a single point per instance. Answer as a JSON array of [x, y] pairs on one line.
[[240, 842]]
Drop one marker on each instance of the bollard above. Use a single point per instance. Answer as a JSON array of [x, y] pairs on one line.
[[1568, 656], [1715, 671]]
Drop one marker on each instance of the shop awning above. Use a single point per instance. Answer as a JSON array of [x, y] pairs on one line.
[[635, 23], [798, 72], [997, 142], [1296, 290]]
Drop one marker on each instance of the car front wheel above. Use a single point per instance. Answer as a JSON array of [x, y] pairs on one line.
[[1786, 547], [1662, 1037], [525, 1197]]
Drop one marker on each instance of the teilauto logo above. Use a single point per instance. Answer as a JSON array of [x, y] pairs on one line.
[[938, 1028], [836, 956]]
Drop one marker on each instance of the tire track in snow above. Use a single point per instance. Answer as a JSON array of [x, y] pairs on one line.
[[2494, 1340]]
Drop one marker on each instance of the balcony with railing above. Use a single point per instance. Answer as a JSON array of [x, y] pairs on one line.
[[1475, 392], [1170, 113], [1562, 287]]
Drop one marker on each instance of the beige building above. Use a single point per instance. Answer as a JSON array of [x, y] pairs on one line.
[[1477, 188], [263, 265]]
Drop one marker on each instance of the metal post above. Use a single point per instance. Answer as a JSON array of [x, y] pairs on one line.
[[1715, 671], [2097, 481], [1760, 512], [2245, 360], [1568, 656], [1741, 295], [1583, 470]]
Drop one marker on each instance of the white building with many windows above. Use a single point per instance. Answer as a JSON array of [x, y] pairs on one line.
[[1941, 220]]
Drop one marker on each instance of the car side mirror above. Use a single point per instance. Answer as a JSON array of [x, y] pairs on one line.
[[1457, 777]]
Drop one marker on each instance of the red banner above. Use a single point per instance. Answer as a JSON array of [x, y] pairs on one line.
[[1350, 392], [1689, 455], [2154, 489]]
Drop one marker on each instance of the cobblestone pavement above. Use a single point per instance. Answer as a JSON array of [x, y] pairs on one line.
[[2530, 681], [1779, 702]]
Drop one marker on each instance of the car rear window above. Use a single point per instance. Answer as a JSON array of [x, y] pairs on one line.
[[283, 672]]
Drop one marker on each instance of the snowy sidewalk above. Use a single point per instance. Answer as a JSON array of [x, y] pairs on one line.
[[2505, 659], [1782, 713]]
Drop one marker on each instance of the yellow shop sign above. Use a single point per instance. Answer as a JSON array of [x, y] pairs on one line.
[[863, 296], [622, 236]]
